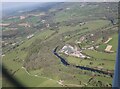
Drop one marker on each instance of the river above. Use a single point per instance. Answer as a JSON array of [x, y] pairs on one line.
[[64, 62]]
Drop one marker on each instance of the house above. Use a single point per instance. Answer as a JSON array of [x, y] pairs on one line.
[[67, 8], [30, 36], [47, 25], [91, 34], [3, 55], [82, 23], [91, 48], [43, 21], [14, 44], [96, 46], [82, 38]]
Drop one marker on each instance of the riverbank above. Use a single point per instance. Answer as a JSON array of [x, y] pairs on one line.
[[64, 62]]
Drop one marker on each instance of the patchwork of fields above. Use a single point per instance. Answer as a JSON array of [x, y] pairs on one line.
[[32, 62]]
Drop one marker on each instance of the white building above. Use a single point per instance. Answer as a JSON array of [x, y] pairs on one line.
[[30, 36]]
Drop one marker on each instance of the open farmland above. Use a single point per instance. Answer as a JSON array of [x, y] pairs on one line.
[[82, 27]]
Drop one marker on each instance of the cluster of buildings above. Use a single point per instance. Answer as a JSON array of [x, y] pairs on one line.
[[73, 51]]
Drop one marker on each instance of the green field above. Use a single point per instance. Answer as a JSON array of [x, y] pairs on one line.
[[11, 20], [27, 80], [50, 43], [91, 63], [14, 65], [33, 63], [100, 55]]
